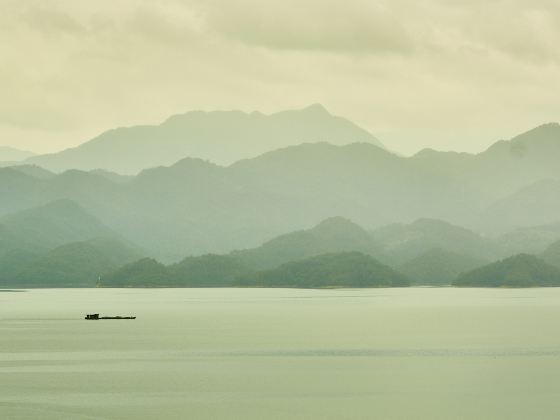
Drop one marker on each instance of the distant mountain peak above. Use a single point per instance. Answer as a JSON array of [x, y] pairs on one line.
[[182, 166], [317, 108], [429, 222], [223, 137], [548, 131], [337, 223], [542, 140], [544, 133], [11, 154], [189, 161], [553, 125], [428, 152]]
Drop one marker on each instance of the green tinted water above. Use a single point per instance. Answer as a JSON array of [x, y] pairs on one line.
[[281, 354]]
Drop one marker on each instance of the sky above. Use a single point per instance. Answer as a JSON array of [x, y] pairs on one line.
[[446, 74]]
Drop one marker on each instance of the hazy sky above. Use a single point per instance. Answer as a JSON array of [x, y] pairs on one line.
[[447, 74]]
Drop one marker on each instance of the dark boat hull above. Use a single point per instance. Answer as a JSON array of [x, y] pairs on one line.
[[96, 317], [117, 317]]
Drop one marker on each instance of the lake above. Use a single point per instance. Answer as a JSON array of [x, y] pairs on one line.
[[417, 353]]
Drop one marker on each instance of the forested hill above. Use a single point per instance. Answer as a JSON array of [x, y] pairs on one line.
[[518, 271]]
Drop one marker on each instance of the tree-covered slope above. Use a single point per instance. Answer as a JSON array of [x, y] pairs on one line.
[[146, 272], [14, 260], [552, 254], [76, 264], [521, 270], [346, 269], [58, 245], [206, 271], [335, 234], [203, 271]]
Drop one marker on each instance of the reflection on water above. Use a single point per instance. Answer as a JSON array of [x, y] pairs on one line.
[[280, 354]]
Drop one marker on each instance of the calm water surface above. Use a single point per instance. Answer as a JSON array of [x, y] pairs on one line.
[[281, 354]]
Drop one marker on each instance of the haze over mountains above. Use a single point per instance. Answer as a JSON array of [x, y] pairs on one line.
[[59, 244], [222, 137], [9, 155], [194, 206], [407, 212]]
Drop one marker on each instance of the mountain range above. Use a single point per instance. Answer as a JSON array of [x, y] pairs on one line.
[[285, 204], [194, 206], [221, 136], [9, 155], [418, 253], [338, 253], [59, 244]]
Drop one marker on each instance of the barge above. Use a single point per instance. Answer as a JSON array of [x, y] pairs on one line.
[[96, 317]]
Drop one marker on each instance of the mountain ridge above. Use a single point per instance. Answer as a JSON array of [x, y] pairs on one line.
[[219, 136], [522, 270], [195, 207], [12, 154]]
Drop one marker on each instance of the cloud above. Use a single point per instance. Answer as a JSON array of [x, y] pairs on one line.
[[49, 21], [521, 29], [531, 34], [345, 27], [452, 74]]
